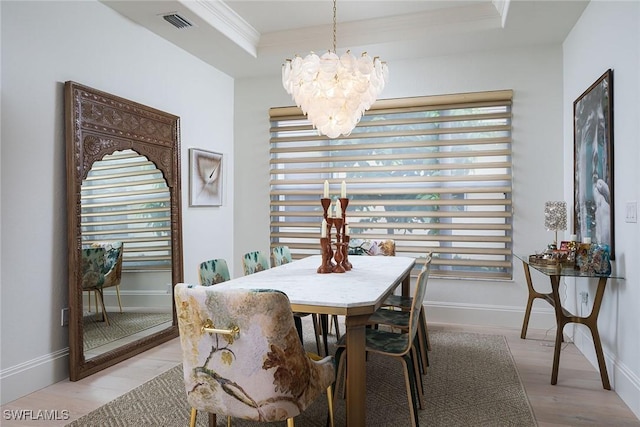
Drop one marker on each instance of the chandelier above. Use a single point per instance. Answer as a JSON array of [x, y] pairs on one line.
[[334, 91]]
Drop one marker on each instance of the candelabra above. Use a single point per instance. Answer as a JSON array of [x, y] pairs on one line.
[[340, 256]]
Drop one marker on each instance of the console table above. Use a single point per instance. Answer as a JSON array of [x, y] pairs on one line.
[[563, 316]]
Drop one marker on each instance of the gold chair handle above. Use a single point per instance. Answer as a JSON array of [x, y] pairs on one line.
[[209, 327]]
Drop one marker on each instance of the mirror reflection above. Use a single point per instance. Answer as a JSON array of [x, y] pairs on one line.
[[124, 227], [126, 252]]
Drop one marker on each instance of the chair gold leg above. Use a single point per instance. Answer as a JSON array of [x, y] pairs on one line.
[[228, 422], [290, 422], [330, 402], [194, 414], [118, 293]]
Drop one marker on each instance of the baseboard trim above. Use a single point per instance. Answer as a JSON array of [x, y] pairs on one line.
[[625, 383], [19, 380], [488, 315]]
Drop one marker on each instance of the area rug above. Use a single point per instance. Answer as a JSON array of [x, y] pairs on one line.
[[121, 325], [471, 381]]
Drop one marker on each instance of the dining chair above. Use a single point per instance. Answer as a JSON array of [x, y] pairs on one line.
[[398, 317], [255, 261], [213, 271], [242, 358], [388, 248], [400, 346], [282, 255], [93, 265], [113, 252]]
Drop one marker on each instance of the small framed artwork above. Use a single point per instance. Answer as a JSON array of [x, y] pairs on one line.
[[205, 178], [593, 163]]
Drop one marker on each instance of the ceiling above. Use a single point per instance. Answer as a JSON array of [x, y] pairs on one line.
[[250, 38]]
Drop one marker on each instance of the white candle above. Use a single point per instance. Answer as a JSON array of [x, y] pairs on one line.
[[323, 231], [586, 240], [338, 210], [343, 190], [326, 189], [573, 238], [346, 230]]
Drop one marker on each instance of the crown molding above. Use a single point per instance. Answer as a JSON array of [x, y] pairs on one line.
[[221, 17]]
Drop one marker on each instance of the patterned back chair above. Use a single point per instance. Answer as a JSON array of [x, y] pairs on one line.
[[242, 357], [101, 267], [255, 261], [372, 247], [213, 271], [112, 252], [280, 255]]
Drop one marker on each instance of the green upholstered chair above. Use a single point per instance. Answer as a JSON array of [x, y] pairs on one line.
[[113, 252], [401, 346], [242, 357], [255, 261], [213, 271], [282, 255], [102, 268]]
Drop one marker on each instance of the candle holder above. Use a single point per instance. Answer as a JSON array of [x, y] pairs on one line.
[[327, 253], [345, 249], [326, 203], [339, 257]]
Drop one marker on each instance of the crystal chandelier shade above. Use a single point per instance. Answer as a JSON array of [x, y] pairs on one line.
[[334, 91]]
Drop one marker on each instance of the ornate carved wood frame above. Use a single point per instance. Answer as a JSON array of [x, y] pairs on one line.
[[98, 123]]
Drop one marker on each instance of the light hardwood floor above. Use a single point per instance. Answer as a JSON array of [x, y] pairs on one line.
[[577, 400]]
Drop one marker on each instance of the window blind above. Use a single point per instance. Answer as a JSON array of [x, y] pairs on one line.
[[432, 173], [125, 198]]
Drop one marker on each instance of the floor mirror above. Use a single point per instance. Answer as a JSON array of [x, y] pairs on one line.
[[124, 227]]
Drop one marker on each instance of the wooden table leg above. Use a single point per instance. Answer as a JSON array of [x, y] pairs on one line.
[[560, 322], [591, 322], [533, 294], [356, 370]]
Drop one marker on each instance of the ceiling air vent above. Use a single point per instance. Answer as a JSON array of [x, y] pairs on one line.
[[177, 20]]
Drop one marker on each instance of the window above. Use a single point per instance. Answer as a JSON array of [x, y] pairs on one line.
[[125, 198], [432, 173]]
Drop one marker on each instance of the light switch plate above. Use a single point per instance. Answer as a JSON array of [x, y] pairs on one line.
[[632, 212]]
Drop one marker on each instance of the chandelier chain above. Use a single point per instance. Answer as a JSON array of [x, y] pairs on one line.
[[334, 26]]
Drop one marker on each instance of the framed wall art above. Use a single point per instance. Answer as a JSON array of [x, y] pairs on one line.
[[593, 163], [205, 178]]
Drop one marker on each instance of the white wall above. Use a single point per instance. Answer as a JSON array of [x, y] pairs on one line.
[[45, 44], [536, 78], [608, 36]]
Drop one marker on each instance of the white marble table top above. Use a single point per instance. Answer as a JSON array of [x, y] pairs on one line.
[[370, 280]]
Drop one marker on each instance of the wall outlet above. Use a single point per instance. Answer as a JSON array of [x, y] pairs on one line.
[[631, 214], [584, 297], [64, 317]]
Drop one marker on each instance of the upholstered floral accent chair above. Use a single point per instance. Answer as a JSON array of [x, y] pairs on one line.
[[401, 345], [112, 253], [101, 268], [255, 261], [242, 357], [372, 247], [213, 271]]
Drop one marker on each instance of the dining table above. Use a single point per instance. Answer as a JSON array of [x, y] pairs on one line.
[[354, 294]]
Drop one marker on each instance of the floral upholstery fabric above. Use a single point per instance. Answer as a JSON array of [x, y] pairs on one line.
[[263, 373], [372, 247], [252, 262], [93, 268], [112, 253], [281, 255], [213, 272]]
